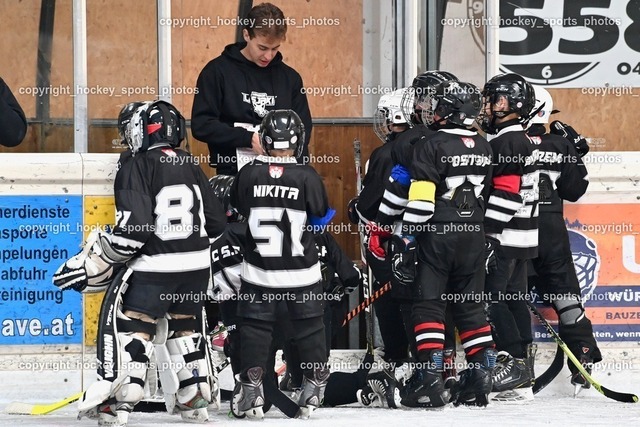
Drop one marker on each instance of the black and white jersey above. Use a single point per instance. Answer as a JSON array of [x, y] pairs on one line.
[[226, 262], [379, 169], [451, 175], [512, 210], [395, 193], [277, 197], [563, 176], [165, 213]]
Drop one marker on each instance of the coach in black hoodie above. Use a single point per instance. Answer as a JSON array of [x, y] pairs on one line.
[[238, 88]]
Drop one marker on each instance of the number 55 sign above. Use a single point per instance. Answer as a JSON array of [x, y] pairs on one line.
[[571, 43]]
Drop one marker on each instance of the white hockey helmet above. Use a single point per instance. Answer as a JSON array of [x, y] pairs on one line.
[[389, 113], [543, 106]]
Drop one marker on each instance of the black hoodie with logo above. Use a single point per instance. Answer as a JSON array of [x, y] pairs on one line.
[[232, 90]]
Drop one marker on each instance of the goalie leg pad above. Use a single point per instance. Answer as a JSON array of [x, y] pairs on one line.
[[192, 370], [127, 388], [123, 356]]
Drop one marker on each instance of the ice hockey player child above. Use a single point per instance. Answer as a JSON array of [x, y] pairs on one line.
[[279, 199], [339, 277], [387, 219], [511, 224], [444, 216], [165, 218], [563, 176], [389, 122], [226, 266]]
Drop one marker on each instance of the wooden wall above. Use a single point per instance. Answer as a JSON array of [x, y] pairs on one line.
[[122, 48]]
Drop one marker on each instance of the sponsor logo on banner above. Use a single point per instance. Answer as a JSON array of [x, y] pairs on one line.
[[606, 255]]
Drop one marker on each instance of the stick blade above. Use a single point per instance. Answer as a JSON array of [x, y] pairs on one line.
[[19, 408], [620, 397], [22, 408]]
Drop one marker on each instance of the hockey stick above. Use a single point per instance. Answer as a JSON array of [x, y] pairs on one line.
[[611, 394], [271, 391], [552, 371], [366, 303], [368, 289], [21, 408]]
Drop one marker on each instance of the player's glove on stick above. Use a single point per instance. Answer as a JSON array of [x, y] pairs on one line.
[[404, 259], [490, 246], [353, 283], [568, 132]]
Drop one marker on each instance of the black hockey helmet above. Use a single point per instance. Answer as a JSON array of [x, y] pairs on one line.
[[282, 130], [221, 187], [458, 103], [123, 121], [415, 97], [156, 122], [519, 93], [166, 124]]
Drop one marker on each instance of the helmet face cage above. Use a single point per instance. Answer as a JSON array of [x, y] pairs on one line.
[[124, 118], [418, 100], [381, 123], [519, 94], [458, 103], [136, 132], [389, 113], [407, 106], [282, 130]]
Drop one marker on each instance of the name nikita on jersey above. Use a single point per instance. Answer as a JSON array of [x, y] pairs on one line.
[[280, 191]]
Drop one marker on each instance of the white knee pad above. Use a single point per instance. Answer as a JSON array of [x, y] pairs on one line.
[[191, 367]]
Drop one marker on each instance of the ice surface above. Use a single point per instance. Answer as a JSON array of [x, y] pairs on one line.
[[553, 406]]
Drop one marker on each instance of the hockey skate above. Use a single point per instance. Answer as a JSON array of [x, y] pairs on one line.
[[426, 388], [194, 411], [312, 392], [511, 380], [248, 396], [385, 387], [218, 337], [586, 359], [112, 415], [475, 383], [449, 374]]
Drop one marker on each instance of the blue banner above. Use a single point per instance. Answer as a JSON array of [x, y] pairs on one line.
[[37, 234]]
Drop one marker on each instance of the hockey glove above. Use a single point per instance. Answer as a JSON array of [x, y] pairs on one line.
[[377, 240], [566, 131], [401, 174], [93, 268], [352, 283], [490, 246], [352, 213], [335, 289], [404, 259]]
